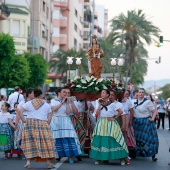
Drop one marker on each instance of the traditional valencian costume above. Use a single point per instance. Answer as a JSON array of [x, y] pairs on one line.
[[145, 131], [66, 140], [108, 141], [37, 141], [6, 132]]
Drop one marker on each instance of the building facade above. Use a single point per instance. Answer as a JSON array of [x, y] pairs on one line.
[[18, 26], [68, 24], [40, 40]]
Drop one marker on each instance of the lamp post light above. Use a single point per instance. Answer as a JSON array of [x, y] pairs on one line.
[[69, 62], [113, 63], [78, 62], [120, 64]]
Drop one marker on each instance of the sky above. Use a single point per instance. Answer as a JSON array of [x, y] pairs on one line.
[[157, 11]]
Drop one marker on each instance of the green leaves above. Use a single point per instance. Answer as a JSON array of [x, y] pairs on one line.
[[24, 70]]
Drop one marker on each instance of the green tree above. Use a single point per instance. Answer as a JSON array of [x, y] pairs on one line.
[[130, 31], [38, 70], [165, 92], [19, 72], [7, 52]]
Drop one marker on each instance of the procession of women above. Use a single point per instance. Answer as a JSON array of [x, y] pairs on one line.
[[107, 128]]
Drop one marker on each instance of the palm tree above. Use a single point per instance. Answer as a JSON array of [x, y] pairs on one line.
[[58, 62], [132, 30]]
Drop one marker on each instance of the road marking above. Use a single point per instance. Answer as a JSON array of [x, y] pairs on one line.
[[57, 165]]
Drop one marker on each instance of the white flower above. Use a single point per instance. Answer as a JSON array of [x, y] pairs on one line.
[[92, 77], [72, 85], [91, 83], [83, 81], [88, 78], [100, 80], [78, 86], [96, 88], [76, 77], [84, 87], [104, 87]]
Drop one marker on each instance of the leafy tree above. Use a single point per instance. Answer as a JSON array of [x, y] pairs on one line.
[[19, 72], [38, 70], [130, 31], [165, 92], [7, 52]]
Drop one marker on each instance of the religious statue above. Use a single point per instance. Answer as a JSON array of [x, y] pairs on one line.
[[94, 53]]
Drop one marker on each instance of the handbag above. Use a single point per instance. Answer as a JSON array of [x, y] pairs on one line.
[[157, 117]]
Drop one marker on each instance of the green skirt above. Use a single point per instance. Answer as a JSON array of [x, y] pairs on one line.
[[3, 140], [106, 148]]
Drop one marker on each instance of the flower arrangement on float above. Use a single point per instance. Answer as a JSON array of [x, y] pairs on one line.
[[94, 85]]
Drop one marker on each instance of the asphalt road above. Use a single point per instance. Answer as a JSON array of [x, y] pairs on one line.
[[88, 164]]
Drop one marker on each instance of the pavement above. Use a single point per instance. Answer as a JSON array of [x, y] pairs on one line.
[[88, 164]]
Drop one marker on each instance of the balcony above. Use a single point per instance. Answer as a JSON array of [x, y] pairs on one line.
[[63, 39], [63, 4], [86, 24], [4, 11]]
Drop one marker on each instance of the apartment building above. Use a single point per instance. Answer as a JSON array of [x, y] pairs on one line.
[[96, 26], [106, 22], [41, 27], [17, 25], [68, 24]]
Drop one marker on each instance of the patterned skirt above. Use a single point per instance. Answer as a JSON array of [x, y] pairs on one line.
[[18, 134], [108, 141], [37, 140], [130, 138], [66, 139], [79, 130], [6, 137], [146, 137]]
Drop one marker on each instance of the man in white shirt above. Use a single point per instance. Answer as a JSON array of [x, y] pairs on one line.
[[15, 97]]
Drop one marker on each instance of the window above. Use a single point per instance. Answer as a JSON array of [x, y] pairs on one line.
[[43, 6], [43, 31], [56, 14], [47, 13], [56, 32], [47, 35], [55, 48], [23, 29], [75, 27], [16, 28], [75, 43], [51, 38], [29, 30], [7, 30], [51, 16], [75, 12], [46, 56]]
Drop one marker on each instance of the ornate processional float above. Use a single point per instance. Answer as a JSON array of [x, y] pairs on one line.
[[90, 87]]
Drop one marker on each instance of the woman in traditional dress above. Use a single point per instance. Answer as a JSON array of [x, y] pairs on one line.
[[19, 123], [66, 139], [108, 141], [6, 133], [129, 133], [144, 127], [37, 141], [76, 122]]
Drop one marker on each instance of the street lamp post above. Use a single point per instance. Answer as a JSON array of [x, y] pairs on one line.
[[120, 64], [69, 62], [113, 63], [78, 62]]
